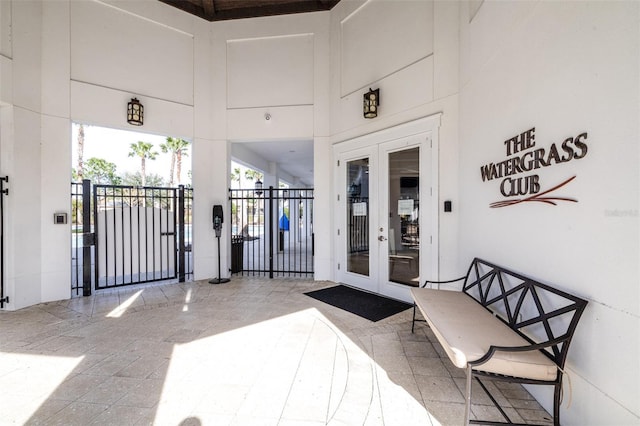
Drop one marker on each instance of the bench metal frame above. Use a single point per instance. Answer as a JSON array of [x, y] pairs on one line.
[[521, 303]]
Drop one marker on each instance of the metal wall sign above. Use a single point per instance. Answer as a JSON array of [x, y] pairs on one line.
[[519, 173]]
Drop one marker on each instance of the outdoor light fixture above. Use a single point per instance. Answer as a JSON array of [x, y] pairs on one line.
[[371, 102], [258, 187], [135, 112]]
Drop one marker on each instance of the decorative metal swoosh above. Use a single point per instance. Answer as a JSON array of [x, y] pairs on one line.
[[537, 197]]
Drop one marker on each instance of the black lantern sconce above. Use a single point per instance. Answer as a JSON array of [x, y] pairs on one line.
[[371, 103], [258, 187], [135, 112]]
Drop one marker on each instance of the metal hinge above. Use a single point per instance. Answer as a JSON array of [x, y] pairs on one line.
[[4, 190], [338, 266], [338, 197], [338, 232], [338, 163]]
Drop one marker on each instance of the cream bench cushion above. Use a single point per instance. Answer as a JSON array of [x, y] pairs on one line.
[[466, 330]]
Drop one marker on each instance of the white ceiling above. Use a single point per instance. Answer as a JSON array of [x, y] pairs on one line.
[[292, 157]]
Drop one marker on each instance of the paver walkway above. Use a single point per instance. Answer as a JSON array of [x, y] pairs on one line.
[[249, 352]]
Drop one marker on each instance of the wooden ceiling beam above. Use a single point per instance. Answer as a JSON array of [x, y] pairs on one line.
[[209, 9], [186, 6], [271, 9], [206, 9]]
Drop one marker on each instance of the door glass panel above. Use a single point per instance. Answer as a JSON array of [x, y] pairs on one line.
[[358, 216], [404, 227]]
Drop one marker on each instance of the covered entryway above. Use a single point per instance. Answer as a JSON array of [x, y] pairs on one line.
[[271, 201], [387, 209], [272, 232]]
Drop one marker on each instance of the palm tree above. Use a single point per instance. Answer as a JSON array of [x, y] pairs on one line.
[[251, 174], [143, 150], [80, 171], [235, 175], [178, 148]]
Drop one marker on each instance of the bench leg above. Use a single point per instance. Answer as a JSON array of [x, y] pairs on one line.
[[413, 323], [467, 397], [556, 403]]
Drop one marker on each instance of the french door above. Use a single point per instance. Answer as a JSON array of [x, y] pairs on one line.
[[386, 215]]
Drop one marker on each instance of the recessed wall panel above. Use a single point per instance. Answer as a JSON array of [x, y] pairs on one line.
[[119, 50], [101, 106], [270, 71], [401, 91], [285, 123], [374, 45], [5, 29]]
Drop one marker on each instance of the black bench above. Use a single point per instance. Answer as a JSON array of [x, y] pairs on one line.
[[502, 326]]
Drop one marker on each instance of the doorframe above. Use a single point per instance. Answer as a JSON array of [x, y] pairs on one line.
[[429, 125]]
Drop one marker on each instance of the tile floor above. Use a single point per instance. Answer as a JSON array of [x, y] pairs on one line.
[[249, 352]]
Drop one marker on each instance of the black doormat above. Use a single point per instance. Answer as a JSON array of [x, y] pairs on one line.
[[367, 305]]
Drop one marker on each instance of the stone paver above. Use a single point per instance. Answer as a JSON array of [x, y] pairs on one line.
[[250, 352]]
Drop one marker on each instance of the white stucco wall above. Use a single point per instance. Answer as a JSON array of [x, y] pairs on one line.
[[564, 68], [277, 65], [53, 74], [21, 155], [561, 67], [211, 102], [418, 80], [60, 77]]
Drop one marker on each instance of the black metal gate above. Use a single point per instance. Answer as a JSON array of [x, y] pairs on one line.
[[272, 231], [125, 235], [358, 238], [3, 191]]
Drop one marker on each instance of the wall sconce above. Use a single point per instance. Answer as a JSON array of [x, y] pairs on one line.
[[371, 103], [258, 187], [135, 112]]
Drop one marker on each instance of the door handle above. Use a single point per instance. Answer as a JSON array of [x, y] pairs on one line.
[[382, 238]]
